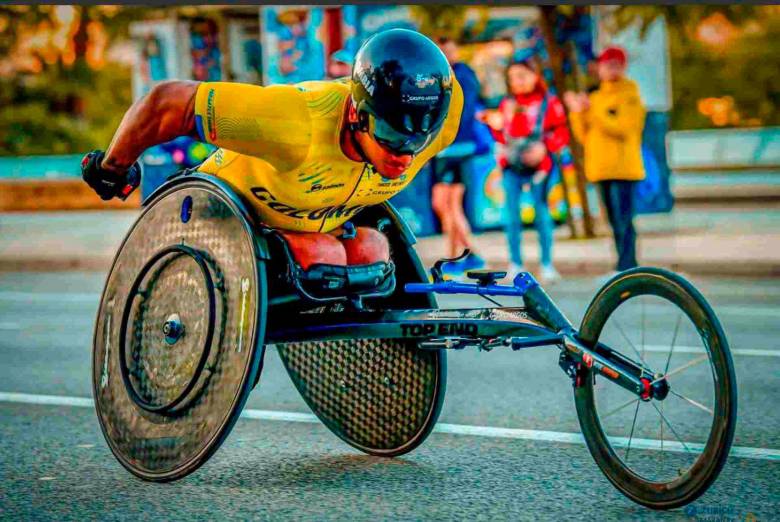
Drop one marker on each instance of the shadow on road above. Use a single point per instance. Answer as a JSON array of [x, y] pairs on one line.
[[334, 470]]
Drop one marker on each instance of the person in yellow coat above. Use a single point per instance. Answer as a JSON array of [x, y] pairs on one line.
[[609, 124]]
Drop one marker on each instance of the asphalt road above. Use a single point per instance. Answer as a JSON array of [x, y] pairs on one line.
[[54, 462]]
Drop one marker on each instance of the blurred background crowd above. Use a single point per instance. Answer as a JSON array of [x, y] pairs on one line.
[[577, 117]]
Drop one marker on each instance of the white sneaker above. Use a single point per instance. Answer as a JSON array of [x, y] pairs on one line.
[[513, 270], [548, 274]]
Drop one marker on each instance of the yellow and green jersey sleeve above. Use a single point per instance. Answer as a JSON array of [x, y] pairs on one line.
[[271, 123]]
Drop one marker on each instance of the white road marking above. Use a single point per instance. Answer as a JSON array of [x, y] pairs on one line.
[[10, 326], [452, 429], [63, 297], [698, 349], [47, 400], [287, 416]]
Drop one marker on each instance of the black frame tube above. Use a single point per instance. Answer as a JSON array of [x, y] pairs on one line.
[[403, 324], [545, 326]]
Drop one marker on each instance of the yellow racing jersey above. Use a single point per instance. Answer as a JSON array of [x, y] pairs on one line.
[[279, 146]]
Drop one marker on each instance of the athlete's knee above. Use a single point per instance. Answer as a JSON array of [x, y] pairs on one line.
[[309, 248], [368, 246]]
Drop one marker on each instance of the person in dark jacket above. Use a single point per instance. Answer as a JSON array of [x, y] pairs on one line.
[[452, 167]]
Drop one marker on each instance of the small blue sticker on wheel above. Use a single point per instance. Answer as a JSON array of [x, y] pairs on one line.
[[186, 209]]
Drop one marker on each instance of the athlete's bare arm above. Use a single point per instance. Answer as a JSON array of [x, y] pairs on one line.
[[165, 113]]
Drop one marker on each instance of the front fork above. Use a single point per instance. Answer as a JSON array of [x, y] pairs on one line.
[[578, 360]]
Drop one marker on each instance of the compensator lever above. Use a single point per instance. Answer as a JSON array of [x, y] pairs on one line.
[[461, 343]]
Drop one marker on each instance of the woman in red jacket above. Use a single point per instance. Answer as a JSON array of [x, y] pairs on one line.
[[531, 125]]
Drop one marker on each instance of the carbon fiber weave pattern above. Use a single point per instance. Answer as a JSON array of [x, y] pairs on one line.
[[169, 445], [378, 395]]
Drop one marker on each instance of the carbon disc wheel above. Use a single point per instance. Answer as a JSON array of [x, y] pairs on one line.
[[381, 396], [179, 332], [662, 452]]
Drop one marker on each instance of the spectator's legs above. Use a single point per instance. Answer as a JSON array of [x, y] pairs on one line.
[[461, 231], [618, 202], [604, 190], [512, 224], [543, 220], [447, 202], [627, 251], [441, 206]]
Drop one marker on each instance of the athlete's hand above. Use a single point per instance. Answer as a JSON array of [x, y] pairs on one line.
[[109, 184]]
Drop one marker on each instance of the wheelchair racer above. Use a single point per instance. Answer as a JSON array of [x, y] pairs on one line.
[[307, 156]]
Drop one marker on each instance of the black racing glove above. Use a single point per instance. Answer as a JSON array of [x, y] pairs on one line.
[[109, 184]]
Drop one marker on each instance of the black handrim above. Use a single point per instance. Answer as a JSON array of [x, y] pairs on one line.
[[134, 291], [696, 480]]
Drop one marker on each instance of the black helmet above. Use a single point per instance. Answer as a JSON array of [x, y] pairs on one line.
[[401, 88]]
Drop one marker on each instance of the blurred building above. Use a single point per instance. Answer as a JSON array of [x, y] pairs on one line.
[[287, 44]]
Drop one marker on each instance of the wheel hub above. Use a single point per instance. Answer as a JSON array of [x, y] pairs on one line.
[[173, 329], [659, 389]]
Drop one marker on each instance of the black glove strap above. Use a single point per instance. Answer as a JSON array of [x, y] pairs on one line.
[[106, 183]]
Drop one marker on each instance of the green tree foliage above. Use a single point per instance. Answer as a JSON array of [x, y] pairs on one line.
[[39, 115], [67, 106], [745, 70]]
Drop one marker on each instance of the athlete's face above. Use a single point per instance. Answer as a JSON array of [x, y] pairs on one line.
[[386, 162]]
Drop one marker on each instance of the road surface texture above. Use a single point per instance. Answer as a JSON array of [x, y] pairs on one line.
[[55, 464]]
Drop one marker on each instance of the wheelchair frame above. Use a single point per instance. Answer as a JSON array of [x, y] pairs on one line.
[[398, 391]]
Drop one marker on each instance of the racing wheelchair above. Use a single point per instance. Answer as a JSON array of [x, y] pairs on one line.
[[199, 288]]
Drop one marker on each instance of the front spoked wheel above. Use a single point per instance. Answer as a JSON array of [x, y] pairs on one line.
[[662, 453]]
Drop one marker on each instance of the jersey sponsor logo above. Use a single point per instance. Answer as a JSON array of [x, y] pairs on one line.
[[317, 187], [372, 192], [313, 214], [211, 123], [389, 182], [219, 157], [384, 182]]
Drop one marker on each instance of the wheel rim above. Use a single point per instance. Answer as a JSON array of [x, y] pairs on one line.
[[658, 440], [655, 486]]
